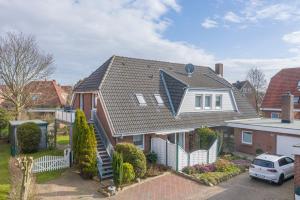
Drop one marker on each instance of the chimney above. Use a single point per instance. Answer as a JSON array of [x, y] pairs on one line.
[[287, 108], [219, 69]]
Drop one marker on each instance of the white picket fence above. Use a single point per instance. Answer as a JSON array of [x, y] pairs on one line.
[[49, 163], [168, 154]]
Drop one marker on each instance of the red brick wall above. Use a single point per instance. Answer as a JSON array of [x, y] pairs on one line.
[[104, 122], [265, 141], [297, 171], [267, 114], [87, 104]]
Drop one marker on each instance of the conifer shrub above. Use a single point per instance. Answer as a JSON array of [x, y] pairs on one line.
[[134, 156], [117, 165], [128, 173]]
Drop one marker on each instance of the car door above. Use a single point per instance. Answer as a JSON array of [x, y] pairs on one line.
[[290, 165], [284, 167]]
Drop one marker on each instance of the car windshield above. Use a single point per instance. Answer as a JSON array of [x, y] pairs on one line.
[[263, 163]]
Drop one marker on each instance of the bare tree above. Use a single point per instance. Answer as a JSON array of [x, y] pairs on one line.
[[257, 78], [21, 62]]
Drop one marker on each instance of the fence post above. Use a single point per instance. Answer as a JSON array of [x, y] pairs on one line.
[[207, 161], [166, 152], [177, 157]]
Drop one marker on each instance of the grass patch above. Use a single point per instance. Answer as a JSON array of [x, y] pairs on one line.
[[48, 176], [63, 139], [53, 152], [4, 172]]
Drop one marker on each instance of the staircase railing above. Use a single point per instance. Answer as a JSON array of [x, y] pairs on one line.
[[99, 164], [105, 140]]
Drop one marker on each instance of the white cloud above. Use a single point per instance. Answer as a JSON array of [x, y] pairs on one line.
[[292, 38], [209, 23], [232, 17], [83, 34]]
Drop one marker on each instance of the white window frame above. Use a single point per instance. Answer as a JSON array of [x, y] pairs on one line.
[[158, 99], [81, 106], [247, 132], [221, 102], [94, 101], [275, 113], [201, 101], [211, 98], [143, 139], [141, 99]]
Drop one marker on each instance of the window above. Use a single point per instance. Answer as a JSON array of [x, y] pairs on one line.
[[159, 99], [282, 162], [198, 101], [94, 100], [263, 163], [141, 99], [296, 100], [218, 101], [81, 101], [138, 140], [298, 86], [275, 115], [247, 137], [208, 101], [289, 160]]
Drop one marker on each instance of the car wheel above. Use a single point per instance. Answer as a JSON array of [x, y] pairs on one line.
[[281, 179]]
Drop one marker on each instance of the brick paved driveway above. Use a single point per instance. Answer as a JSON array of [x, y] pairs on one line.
[[174, 187]]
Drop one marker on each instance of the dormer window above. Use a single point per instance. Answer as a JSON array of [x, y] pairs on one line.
[[208, 99], [159, 99], [198, 101], [219, 102], [141, 99]]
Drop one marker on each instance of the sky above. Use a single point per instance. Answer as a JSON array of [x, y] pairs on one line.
[[81, 35]]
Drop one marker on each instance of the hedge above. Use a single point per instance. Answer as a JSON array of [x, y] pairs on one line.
[[29, 136]]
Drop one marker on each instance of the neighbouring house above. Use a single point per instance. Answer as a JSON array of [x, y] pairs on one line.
[[286, 80], [135, 100], [275, 136], [13, 126], [246, 88], [46, 98]]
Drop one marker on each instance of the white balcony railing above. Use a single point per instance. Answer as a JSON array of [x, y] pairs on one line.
[[65, 116]]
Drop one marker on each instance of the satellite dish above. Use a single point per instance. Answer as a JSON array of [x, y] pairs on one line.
[[189, 68]]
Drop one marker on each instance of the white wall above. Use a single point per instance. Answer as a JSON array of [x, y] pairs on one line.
[[188, 103]]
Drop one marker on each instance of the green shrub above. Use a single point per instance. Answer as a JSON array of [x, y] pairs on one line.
[[222, 165], [88, 152], [128, 173], [4, 119], [259, 151], [134, 156], [117, 165], [152, 157], [189, 170], [29, 136], [206, 137], [77, 133]]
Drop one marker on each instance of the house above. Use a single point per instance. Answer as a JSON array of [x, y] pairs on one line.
[[136, 100], [286, 80], [246, 88], [275, 136]]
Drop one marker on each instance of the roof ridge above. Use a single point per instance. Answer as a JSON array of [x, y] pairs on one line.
[[58, 92]]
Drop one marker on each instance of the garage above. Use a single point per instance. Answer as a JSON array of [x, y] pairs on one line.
[[285, 145]]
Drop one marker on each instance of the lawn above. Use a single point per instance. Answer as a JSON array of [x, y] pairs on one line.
[[48, 176], [63, 139], [4, 172], [54, 152]]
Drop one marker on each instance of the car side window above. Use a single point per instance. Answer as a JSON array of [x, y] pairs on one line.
[[282, 162], [289, 160]]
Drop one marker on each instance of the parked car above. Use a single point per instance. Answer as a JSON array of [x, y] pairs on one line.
[[273, 168]]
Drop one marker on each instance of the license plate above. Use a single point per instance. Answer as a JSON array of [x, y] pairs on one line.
[[259, 176]]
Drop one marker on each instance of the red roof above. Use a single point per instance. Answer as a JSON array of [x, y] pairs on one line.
[[284, 81]]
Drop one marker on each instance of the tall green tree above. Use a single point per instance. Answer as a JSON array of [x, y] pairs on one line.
[[117, 165], [77, 133], [88, 152]]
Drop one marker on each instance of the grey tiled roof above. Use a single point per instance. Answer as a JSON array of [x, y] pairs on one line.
[[92, 82], [126, 77]]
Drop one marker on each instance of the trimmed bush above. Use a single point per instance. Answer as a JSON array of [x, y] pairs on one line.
[[77, 133], [117, 165], [128, 173], [134, 156], [189, 170], [152, 157], [206, 137], [29, 136], [87, 153]]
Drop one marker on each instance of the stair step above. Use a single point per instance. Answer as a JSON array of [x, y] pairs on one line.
[[107, 172], [107, 167], [109, 176]]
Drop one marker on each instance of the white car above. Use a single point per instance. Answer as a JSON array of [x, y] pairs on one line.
[[273, 168]]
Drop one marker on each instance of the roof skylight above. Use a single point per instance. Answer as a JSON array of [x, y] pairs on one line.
[[158, 99], [141, 99]]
